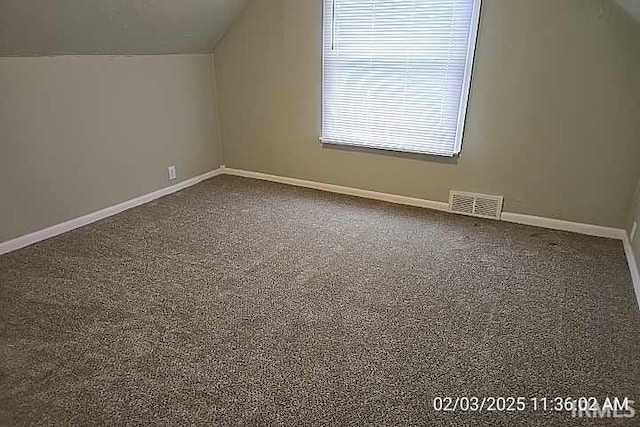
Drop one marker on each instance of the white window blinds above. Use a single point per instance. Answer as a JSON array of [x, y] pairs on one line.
[[396, 73]]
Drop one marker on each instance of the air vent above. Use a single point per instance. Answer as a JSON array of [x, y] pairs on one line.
[[482, 205]]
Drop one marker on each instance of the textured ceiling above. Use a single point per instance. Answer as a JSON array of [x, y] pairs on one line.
[[113, 27]]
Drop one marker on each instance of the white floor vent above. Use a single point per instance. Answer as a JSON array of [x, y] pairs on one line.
[[474, 204]]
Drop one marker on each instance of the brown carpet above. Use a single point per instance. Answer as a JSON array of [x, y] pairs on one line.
[[241, 302]]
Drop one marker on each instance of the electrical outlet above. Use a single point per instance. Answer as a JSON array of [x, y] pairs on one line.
[[633, 230], [172, 172]]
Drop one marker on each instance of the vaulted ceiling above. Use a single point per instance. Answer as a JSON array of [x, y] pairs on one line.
[[126, 27], [113, 27]]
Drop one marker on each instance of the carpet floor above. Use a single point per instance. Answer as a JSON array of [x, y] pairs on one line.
[[242, 302]]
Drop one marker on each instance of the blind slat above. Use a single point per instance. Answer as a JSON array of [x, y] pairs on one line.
[[396, 73]]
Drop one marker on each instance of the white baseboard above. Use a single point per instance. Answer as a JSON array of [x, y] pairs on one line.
[[37, 236], [633, 266], [559, 224], [401, 200], [555, 224]]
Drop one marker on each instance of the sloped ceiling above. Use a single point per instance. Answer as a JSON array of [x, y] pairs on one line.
[[632, 7], [113, 27]]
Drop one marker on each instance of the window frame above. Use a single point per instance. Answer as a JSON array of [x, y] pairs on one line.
[[464, 95]]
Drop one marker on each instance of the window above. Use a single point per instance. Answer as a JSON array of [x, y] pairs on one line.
[[396, 73]]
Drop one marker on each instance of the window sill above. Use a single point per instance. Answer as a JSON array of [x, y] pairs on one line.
[[387, 148]]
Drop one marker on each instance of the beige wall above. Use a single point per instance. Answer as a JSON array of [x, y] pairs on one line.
[[553, 119], [78, 134]]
